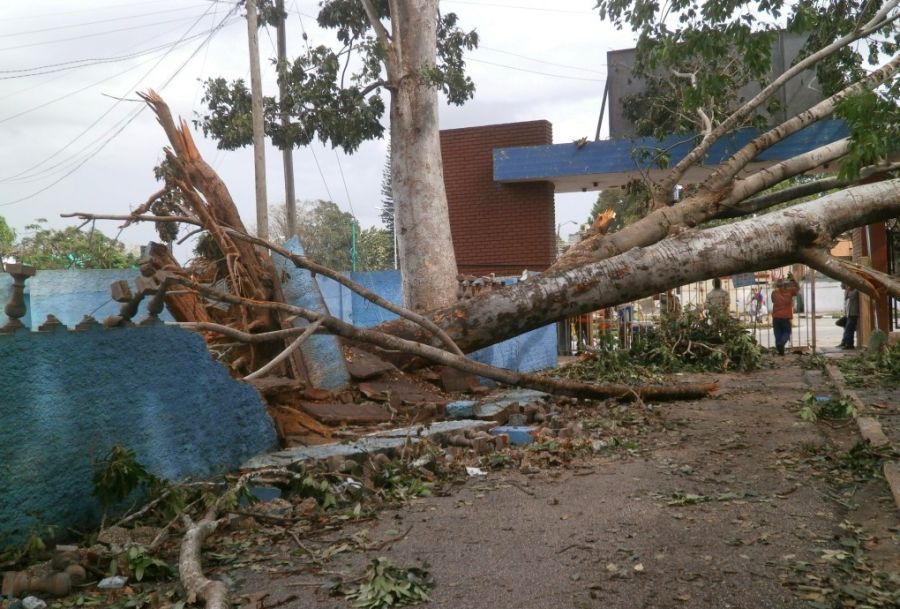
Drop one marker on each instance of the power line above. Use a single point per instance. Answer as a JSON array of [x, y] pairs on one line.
[[321, 173], [95, 34], [536, 60], [344, 180], [520, 7], [508, 67], [92, 61], [109, 110], [87, 23], [83, 10], [133, 116]]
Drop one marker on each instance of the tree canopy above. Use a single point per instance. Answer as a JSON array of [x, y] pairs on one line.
[[7, 237], [696, 56], [326, 233], [49, 248], [333, 94]]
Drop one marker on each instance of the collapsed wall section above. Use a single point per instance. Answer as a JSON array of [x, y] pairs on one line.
[[67, 396]]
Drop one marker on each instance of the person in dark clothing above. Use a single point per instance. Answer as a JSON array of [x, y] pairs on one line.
[[851, 311]]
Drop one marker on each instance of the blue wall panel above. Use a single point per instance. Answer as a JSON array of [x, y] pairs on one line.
[[66, 397]]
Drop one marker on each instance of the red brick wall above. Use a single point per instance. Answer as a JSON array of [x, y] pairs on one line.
[[497, 228]]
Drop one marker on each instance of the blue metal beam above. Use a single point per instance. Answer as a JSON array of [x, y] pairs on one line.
[[569, 164]]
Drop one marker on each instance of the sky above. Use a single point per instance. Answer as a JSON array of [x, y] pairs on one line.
[[74, 139]]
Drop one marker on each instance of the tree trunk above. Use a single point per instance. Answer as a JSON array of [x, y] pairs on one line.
[[760, 243], [427, 262]]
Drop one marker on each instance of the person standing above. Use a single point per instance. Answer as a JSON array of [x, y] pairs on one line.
[[783, 311], [717, 298], [851, 311]]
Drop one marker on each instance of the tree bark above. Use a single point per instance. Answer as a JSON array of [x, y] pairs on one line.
[[427, 261], [775, 239], [214, 594]]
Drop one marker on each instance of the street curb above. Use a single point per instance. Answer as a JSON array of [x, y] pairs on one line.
[[869, 428]]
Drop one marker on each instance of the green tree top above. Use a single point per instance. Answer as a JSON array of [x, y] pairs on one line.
[[7, 237], [333, 95], [696, 55], [48, 248]]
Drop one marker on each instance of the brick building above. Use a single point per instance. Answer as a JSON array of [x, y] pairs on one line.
[[497, 228]]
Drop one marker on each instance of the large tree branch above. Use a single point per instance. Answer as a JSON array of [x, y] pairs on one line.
[[863, 278], [735, 120], [380, 31], [765, 201], [439, 356], [214, 594], [760, 243], [820, 260], [299, 261], [722, 176], [777, 173]]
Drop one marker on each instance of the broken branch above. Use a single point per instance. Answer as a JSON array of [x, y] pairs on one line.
[[309, 331], [301, 262], [510, 377]]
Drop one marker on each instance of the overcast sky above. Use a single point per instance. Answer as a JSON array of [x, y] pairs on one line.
[[69, 146]]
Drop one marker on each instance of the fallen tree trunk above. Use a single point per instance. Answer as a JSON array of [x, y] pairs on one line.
[[685, 391], [769, 241]]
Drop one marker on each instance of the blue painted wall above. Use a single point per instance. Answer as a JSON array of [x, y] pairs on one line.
[[66, 397], [70, 295], [531, 351], [321, 352]]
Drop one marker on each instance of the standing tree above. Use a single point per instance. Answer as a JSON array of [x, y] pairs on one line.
[[326, 233], [409, 50], [49, 248], [7, 237]]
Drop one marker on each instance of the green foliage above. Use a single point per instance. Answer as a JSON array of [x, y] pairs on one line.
[[375, 249], [137, 563], [812, 409], [170, 203], [326, 233], [118, 474], [49, 248], [879, 367], [323, 101], [826, 20], [690, 341], [725, 45], [398, 481], [874, 121], [386, 585], [863, 461], [7, 237], [687, 341]]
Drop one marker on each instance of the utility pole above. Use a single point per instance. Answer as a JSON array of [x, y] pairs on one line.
[[259, 143], [287, 155]]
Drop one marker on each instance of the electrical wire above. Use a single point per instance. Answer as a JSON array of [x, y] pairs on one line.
[[91, 61], [131, 118], [344, 180], [509, 67], [84, 10], [87, 23], [520, 7], [22, 175], [321, 173], [549, 63], [95, 34]]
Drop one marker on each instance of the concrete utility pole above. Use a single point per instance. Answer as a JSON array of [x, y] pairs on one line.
[[259, 143], [287, 155]]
